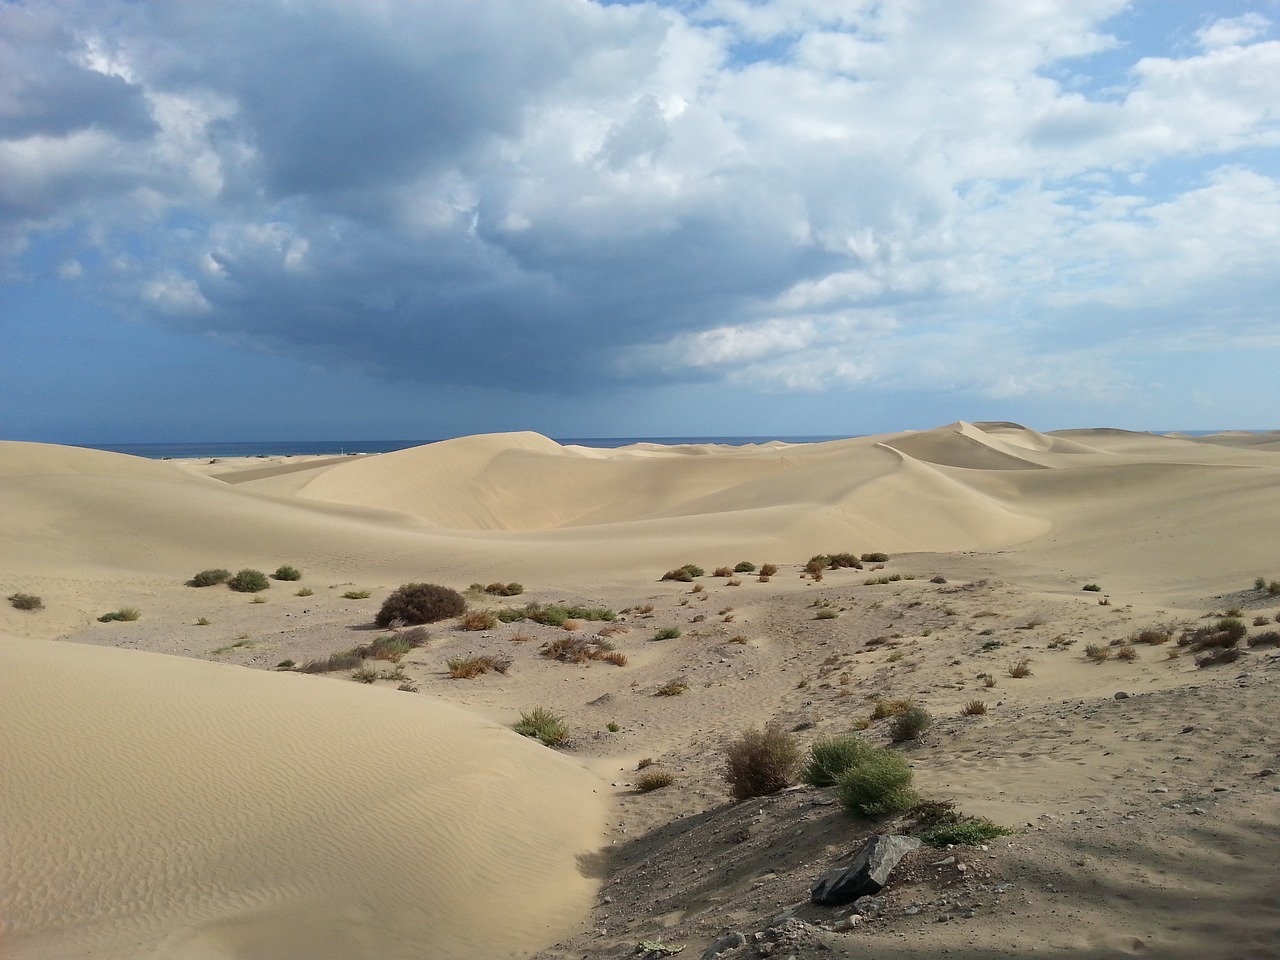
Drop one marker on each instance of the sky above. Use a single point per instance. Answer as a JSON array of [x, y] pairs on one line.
[[413, 219]]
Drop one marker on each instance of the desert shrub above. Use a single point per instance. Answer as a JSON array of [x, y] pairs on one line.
[[1153, 636], [391, 647], [826, 614], [880, 783], [684, 574], [815, 566], [829, 759], [478, 620], [616, 657], [911, 725], [287, 572], [209, 578], [667, 633], [761, 762], [644, 763], [722, 572], [675, 688], [1268, 638], [1097, 652], [128, 614], [249, 581], [967, 831], [1127, 651], [1273, 588], [769, 570], [974, 708], [654, 780], [744, 566], [571, 650], [361, 595], [1232, 627], [890, 708], [1218, 655], [304, 592], [1092, 588], [555, 614], [500, 589], [1020, 668], [467, 668], [988, 681], [25, 601], [365, 675], [421, 603], [543, 725], [346, 660]]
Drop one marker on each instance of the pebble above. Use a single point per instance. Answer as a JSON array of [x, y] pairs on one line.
[[1159, 789]]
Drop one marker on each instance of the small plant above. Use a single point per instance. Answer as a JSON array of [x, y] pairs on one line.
[[25, 601], [408, 687], [1273, 588], [287, 572], [390, 647], [616, 657], [769, 570], [1218, 655], [974, 708], [258, 598], [644, 763], [249, 581], [875, 558], [203, 621], [1097, 652], [911, 725], [667, 633], [420, 603], [543, 725], [1020, 668], [684, 574], [241, 644], [612, 727], [697, 588], [880, 783], [1268, 638], [744, 566], [1152, 636], [675, 688], [654, 780], [365, 675], [347, 660], [360, 595], [890, 708], [304, 592], [761, 762], [478, 620], [127, 614], [722, 572], [285, 665], [1127, 652], [829, 759], [967, 832], [511, 589], [988, 681], [1092, 588], [209, 578], [1233, 611], [467, 668]]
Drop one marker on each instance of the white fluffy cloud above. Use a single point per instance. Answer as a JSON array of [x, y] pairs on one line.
[[791, 195]]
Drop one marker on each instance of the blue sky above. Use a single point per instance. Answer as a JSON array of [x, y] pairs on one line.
[[274, 219]]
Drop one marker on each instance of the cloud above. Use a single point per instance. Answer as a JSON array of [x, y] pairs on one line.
[[792, 196]]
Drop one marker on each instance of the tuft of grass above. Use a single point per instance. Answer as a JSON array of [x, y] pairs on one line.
[[286, 572], [612, 727], [654, 780], [1097, 652], [203, 621], [542, 725], [209, 578], [685, 573], [760, 762], [826, 613], [304, 592], [890, 708], [1218, 655], [347, 660], [644, 763], [365, 675], [1020, 668], [878, 784], [1261, 621], [1268, 638], [1152, 636], [967, 832], [500, 589], [911, 725], [830, 758], [478, 620], [875, 558], [285, 665], [390, 647], [988, 681], [722, 572], [127, 614], [673, 689], [258, 598], [359, 595], [468, 668], [249, 581], [25, 601], [974, 708], [667, 633], [1127, 652], [238, 645]]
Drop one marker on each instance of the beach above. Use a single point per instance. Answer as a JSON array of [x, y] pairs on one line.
[[172, 790]]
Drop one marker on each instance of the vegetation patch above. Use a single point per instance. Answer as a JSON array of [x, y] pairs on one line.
[[910, 725], [974, 708], [555, 614], [390, 647], [760, 762], [467, 668], [878, 784], [420, 603], [684, 574], [654, 780], [542, 725], [582, 650], [346, 660], [478, 620], [744, 566], [209, 578], [25, 601], [939, 824], [890, 708], [127, 614], [287, 572], [1020, 668], [361, 595], [249, 581], [675, 688], [830, 758]]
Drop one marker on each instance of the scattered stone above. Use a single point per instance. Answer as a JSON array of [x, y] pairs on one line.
[[870, 906], [1121, 695], [726, 943], [1188, 729], [848, 923], [867, 874], [1159, 789]]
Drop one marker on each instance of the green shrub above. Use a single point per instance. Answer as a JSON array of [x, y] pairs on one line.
[[287, 572], [744, 566], [684, 574], [890, 708], [667, 633], [304, 592], [966, 832], [1092, 588], [829, 759], [390, 647], [761, 762], [541, 724], [654, 780], [25, 601], [499, 589], [359, 595], [421, 603], [911, 725], [880, 783], [347, 660], [1233, 628], [128, 614], [468, 668], [209, 578], [249, 581], [365, 675], [554, 614], [875, 558]]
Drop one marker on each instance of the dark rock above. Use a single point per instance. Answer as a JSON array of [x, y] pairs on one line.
[[866, 875], [723, 945], [1121, 695]]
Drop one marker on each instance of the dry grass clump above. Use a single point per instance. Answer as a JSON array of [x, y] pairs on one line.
[[478, 620], [760, 762], [890, 708], [1224, 634], [467, 668], [1127, 651], [1020, 668], [1097, 652], [420, 603], [768, 570], [1261, 621], [362, 595], [1268, 638], [910, 725], [722, 572], [673, 689], [1154, 636], [739, 638], [581, 650], [511, 589], [974, 708], [25, 601], [667, 633], [654, 780], [346, 660]]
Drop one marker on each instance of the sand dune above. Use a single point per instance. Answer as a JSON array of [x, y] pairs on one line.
[[160, 807]]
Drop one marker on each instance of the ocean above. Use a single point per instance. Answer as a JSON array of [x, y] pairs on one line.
[[323, 448]]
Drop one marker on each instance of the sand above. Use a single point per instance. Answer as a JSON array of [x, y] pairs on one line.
[[168, 792]]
